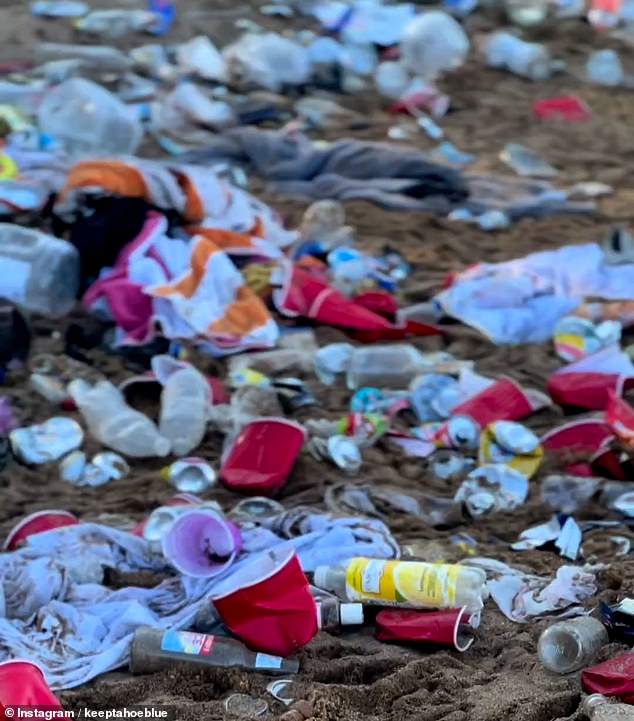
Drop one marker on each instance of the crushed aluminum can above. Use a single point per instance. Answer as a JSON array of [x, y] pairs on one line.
[[625, 504], [450, 466], [161, 519], [462, 432], [190, 475], [425, 392], [345, 453], [256, 508], [46, 442], [293, 394], [281, 690], [575, 338], [365, 428], [513, 445], [103, 468], [244, 706], [515, 437], [72, 466], [494, 487]]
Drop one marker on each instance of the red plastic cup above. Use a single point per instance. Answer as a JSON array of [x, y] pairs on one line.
[[22, 683], [37, 522], [611, 678], [441, 628], [268, 604], [504, 400], [262, 456], [570, 108]]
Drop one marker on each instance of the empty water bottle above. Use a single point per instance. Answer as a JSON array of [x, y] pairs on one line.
[[604, 67], [87, 119], [184, 404], [101, 58], [38, 271], [597, 707], [433, 42], [568, 646], [529, 60], [112, 422]]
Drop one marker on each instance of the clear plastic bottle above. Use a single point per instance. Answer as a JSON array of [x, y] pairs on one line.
[[38, 271], [387, 366], [184, 406], [87, 119], [112, 422], [406, 584], [155, 649], [529, 60], [568, 646], [433, 43]]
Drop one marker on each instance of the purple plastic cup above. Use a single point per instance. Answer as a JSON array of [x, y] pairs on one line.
[[202, 544]]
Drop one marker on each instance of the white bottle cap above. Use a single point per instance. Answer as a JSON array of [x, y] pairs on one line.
[[351, 614], [320, 575]]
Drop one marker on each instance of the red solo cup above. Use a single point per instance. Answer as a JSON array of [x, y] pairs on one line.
[[201, 544], [590, 391], [504, 400], [570, 108], [611, 678], [587, 435], [378, 301], [268, 604], [22, 683], [179, 499], [262, 456], [619, 415], [37, 522], [449, 627]]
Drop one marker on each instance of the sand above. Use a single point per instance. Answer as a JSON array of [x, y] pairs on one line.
[[353, 677]]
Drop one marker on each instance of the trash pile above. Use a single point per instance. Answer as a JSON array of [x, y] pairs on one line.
[[311, 439]]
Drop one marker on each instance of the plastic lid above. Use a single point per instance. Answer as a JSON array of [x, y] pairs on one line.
[[351, 614], [320, 576]]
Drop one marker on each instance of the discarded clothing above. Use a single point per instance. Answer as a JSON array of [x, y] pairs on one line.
[[61, 617], [521, 301], [189, 289], [390, 176]]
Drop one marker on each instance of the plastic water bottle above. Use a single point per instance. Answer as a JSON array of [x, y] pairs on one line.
[[102, 58], [155, 649], [604, 67], [568, 646], [433, 42], [387, 366], [38, 271], [529, 60], [406, 584], [87, 119], [112, 422], [184, 404]]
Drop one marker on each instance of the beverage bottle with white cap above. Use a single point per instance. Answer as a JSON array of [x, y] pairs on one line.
[[154, 649], [112, 422], [568, 646], [405, 584], [332, 613], [529, 60], [184, 406]]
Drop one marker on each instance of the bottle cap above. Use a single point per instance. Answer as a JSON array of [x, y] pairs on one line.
[[351, 614], [320, 575]]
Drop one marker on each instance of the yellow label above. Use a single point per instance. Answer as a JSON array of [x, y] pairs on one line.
[[403, 583]]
